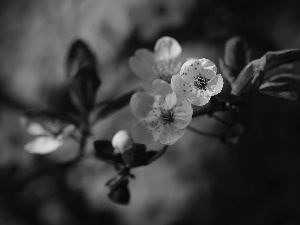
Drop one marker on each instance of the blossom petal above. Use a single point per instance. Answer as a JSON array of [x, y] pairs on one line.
[[170, 135], [190, 70], [43, 145], [170, 101], [220, 84], [142, 64], [161, 87], [147, 86], [167, 48], [215, 85], [141, 104], [206, 63], [141, 134], [34, 128], [208, 74], [164, 94], [183, 114], [198, 100], [180, 99], [180, 86]]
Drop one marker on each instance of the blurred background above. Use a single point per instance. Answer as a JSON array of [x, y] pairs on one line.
[[199, 180]]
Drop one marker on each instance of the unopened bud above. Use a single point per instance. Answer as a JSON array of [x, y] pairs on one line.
[[237, 54], [121, 141]]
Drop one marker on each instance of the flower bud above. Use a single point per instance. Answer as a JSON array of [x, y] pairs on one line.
[[237, 54], [121, 141]]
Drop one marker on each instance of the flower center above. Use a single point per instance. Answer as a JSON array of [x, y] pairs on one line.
[[165, 69], [200, 83], [167, 116]]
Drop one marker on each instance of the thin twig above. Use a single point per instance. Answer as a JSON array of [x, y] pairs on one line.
[[84, 136]]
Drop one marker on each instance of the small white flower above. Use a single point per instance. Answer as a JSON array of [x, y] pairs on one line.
[[162, 64], [161, 118], [197, 81]]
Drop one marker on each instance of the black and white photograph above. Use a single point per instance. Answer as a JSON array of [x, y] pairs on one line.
[[149, 112]]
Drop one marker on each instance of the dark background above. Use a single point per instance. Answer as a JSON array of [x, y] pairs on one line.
[[199, 180]]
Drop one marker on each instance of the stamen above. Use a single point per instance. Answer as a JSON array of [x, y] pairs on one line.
[[165, 69], [167, 116], [200, 83]]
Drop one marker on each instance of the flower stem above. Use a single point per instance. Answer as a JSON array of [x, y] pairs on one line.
[[203, 133], [84, 136]]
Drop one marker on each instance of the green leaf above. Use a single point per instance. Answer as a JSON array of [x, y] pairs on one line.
[[289, 76], [140, 156], [120, 195], [230, 98], [249, 79], [119, 192], [82, 71], [288, 95], [243, 79], [262, 69], [278, 58], [79, 56], [105, 151], [83, 89], [283, 69], [58, 98], [154, 155], [135, 156], [275, 87]]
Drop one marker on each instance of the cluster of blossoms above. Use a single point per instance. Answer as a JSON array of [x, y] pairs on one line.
[[165, 110], [171, 87]]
